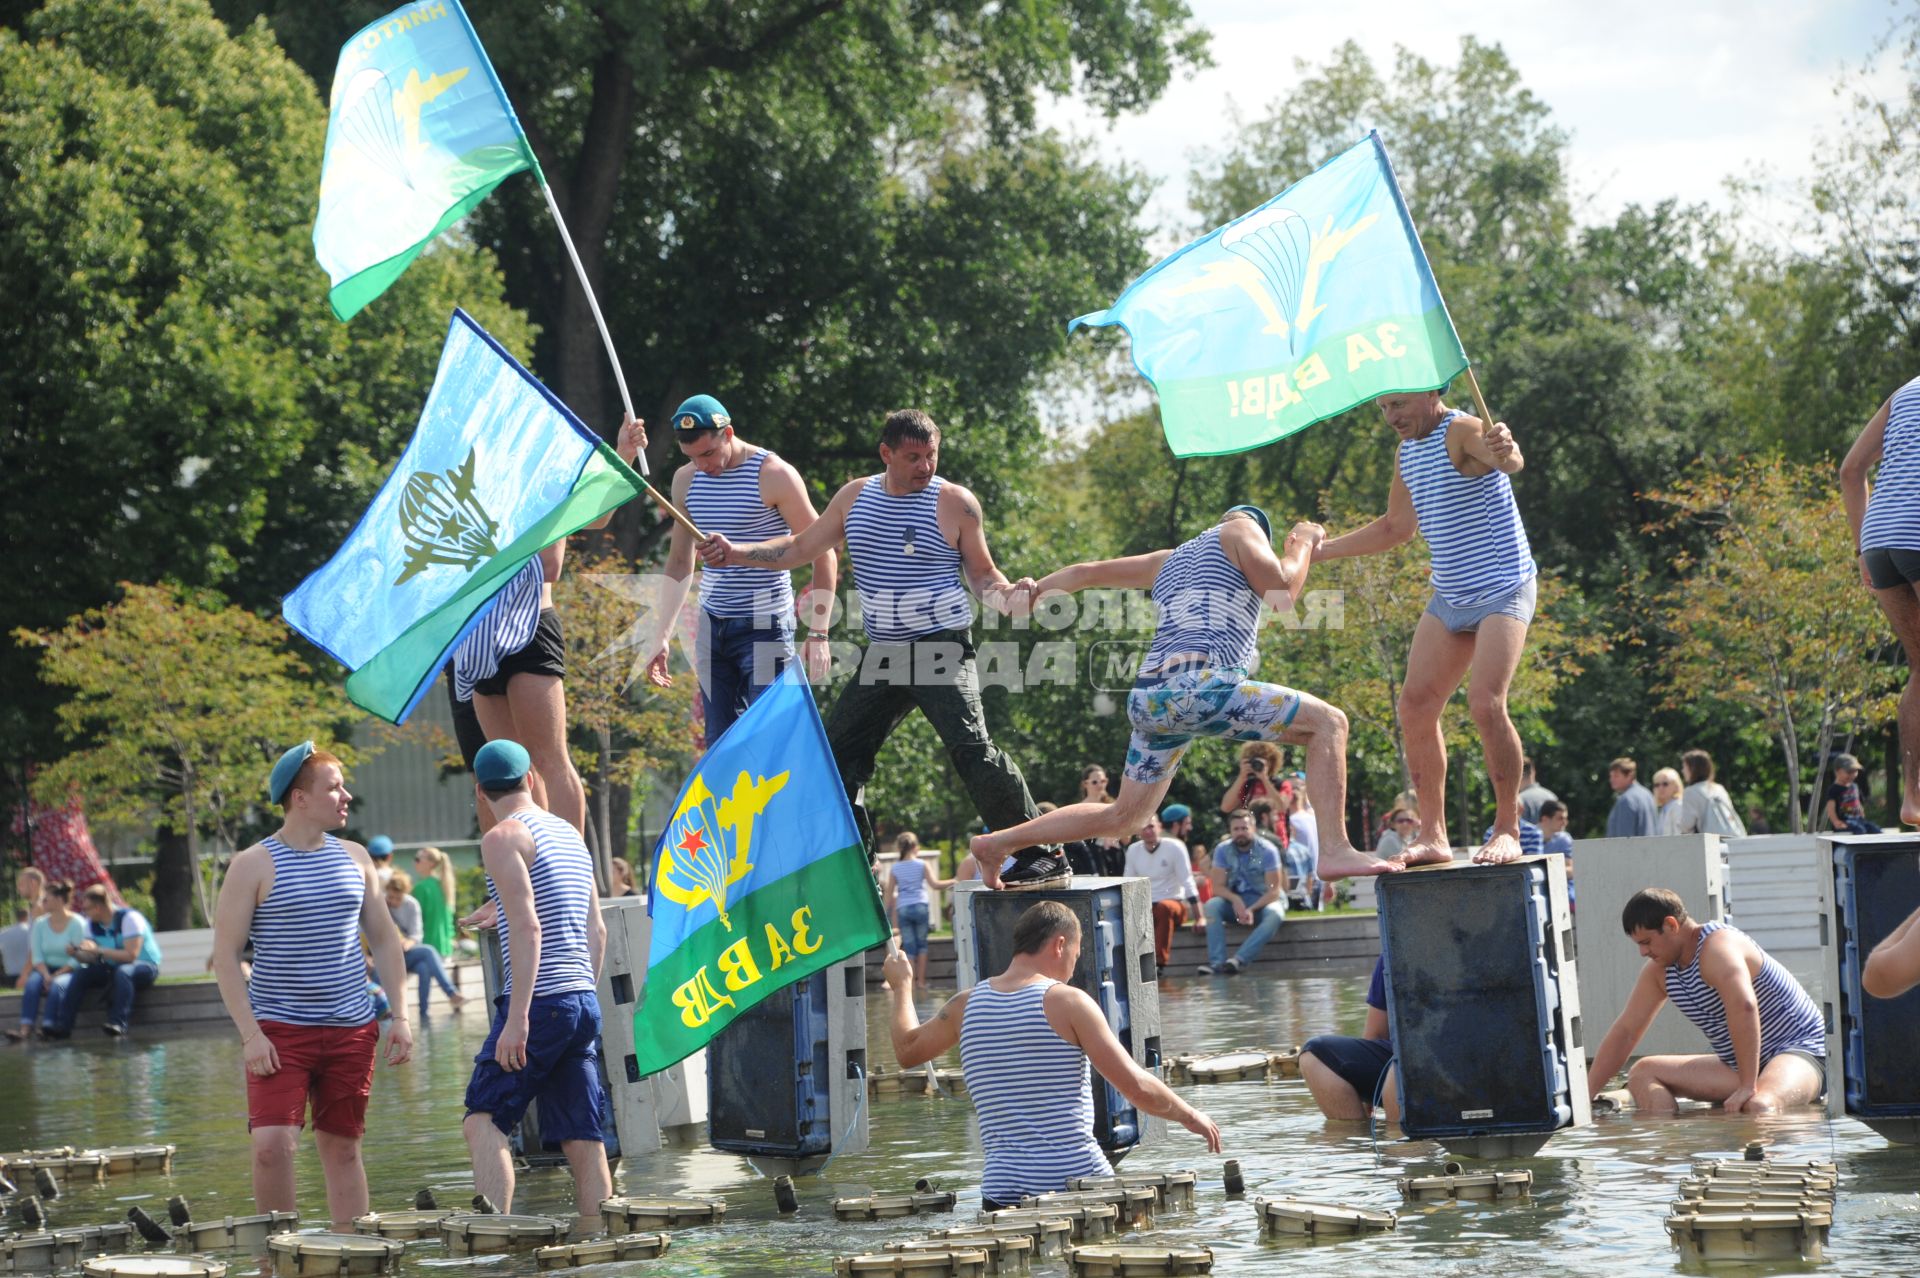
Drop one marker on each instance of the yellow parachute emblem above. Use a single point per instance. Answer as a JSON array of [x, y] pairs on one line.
[[692, 869]]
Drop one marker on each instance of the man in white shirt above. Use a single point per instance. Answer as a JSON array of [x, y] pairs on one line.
[[1168, 869]]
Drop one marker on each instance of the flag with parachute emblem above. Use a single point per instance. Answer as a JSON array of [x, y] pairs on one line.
[[419, 131], [1318, 300], [759, 880], [497, 470]]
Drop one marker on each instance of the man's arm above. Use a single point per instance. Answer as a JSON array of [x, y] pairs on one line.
[[1230, 797], [596, 935], [232, 925], [1376, 1024], [1628, 1028], [914, 1043], [784, 491], [1492, 446], [673, 591], [1894, 966], [389, 959], [1277, 580], [1723, 965], [1275, 887], [960, 511], [1394, 528], [1861, 459], [505, 850], [129, 944], [1137, 571], [792, 550], [1220, 889], [1079, 1020]]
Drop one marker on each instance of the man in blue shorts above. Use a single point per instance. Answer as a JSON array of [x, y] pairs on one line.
[[545, 1040], [1346, 1074]]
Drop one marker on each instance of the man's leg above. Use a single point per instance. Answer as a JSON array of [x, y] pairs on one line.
[[1785, 1081], [128, 980], [1902, 606], [492, 1160], [946, 687], [1435, 666], [1496, 655], [1217, 911], [1659, 1083], [592, 1182], [539, 704], [1166, 917], [86, 976], [872, 703], [273, 1169], [496, 719], [1333, 1094], [766, 651], [1322, 729], [346, 1178], [1267, 921], [723, 684]]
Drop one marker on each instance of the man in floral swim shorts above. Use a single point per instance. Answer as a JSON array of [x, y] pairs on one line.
[[1194, 682]]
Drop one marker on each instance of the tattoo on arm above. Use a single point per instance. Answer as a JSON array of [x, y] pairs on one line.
[[970, 508], [765, 554]]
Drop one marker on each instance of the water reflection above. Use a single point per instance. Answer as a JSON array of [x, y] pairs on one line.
[[1599, 1197]]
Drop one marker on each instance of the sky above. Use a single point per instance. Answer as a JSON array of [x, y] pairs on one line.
[[1662, 98]]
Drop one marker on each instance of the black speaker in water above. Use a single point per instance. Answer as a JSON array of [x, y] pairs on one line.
[[1876, 881], [769, 1076]]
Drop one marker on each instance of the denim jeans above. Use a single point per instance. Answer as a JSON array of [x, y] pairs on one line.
[[935, 673], [914, 927], [53, 988], [122, 980], [424, 961], [1267, 921], [738, 659]]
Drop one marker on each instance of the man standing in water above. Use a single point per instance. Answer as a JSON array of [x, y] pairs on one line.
[[1450, 485], [545, 1040], [911, 536], [307, 1031], [1026, 1040], [1194, 681]]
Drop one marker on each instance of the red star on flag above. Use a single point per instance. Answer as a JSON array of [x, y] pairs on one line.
[[692, 843]]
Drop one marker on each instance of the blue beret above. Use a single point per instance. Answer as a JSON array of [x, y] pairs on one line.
[[379, 845], [501, 762], [281, 778], [1259, 517], [1174, 812], [702, 412]]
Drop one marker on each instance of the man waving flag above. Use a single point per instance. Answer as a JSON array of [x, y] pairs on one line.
[[1319, 299]]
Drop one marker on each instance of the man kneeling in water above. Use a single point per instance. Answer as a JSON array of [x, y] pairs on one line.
[[1026, 1038]]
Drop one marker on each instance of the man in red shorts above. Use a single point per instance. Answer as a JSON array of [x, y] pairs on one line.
[[303, 897], [545, 1041]]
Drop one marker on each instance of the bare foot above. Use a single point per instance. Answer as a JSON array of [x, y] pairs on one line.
[[988, 858], [1910, 812], [1352, 863], [1426, 850], [1499, 850]]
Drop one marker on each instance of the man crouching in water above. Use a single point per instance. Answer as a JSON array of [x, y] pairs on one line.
[[1026, 1039]]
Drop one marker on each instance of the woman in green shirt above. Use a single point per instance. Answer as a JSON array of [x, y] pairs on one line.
[[433, 888]]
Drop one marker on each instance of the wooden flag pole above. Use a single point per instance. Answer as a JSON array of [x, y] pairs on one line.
[[619, 378], [1479, 400]]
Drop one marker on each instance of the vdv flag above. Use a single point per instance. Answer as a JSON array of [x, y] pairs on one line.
[[1319, 299], [419, 131], [759, 880], [497, 469]]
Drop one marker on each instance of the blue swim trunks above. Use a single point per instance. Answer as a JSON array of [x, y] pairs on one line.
[[562, 1070]]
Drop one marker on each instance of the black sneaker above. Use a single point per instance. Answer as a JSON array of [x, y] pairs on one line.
[[1232, 967], [1034, 869]]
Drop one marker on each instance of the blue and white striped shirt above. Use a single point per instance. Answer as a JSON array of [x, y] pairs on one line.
[[1470, 523], [1893, 508], [907, 575], [563, 893], [1033, 1091], [730, 503], [1789, 1021], [505, 628], [308, 967], [1205, 606]]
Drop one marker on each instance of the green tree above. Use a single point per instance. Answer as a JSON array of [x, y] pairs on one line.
[[1772, 617], [177, 705], [181, 404]]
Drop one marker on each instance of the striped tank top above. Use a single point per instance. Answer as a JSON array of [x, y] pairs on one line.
[[308, 967], [1470, 523], [1789, 1021], [1205, 606], [907, 575], [503, 629], [1893, 508], [563, 893], [1033, 1091], [730, 503]]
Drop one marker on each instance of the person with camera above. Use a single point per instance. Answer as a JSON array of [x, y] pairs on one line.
[[1259, 778]]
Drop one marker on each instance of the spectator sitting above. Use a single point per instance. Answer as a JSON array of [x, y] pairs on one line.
[[1532, 794], [1346, 1074], [1176, 822], [1532, 839], [1164, 863], [1553, 825], [621, 883], [907, 901], [1401, 823], [380, 848], [1258, 780], [1633, 815], [1706, 807], [1666, 801], [1266, 821], [1248, 886], [16, 949], [422, 959], [49, 973], [30, 885], [1845, 811], [1109, 855], [119, 954]]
